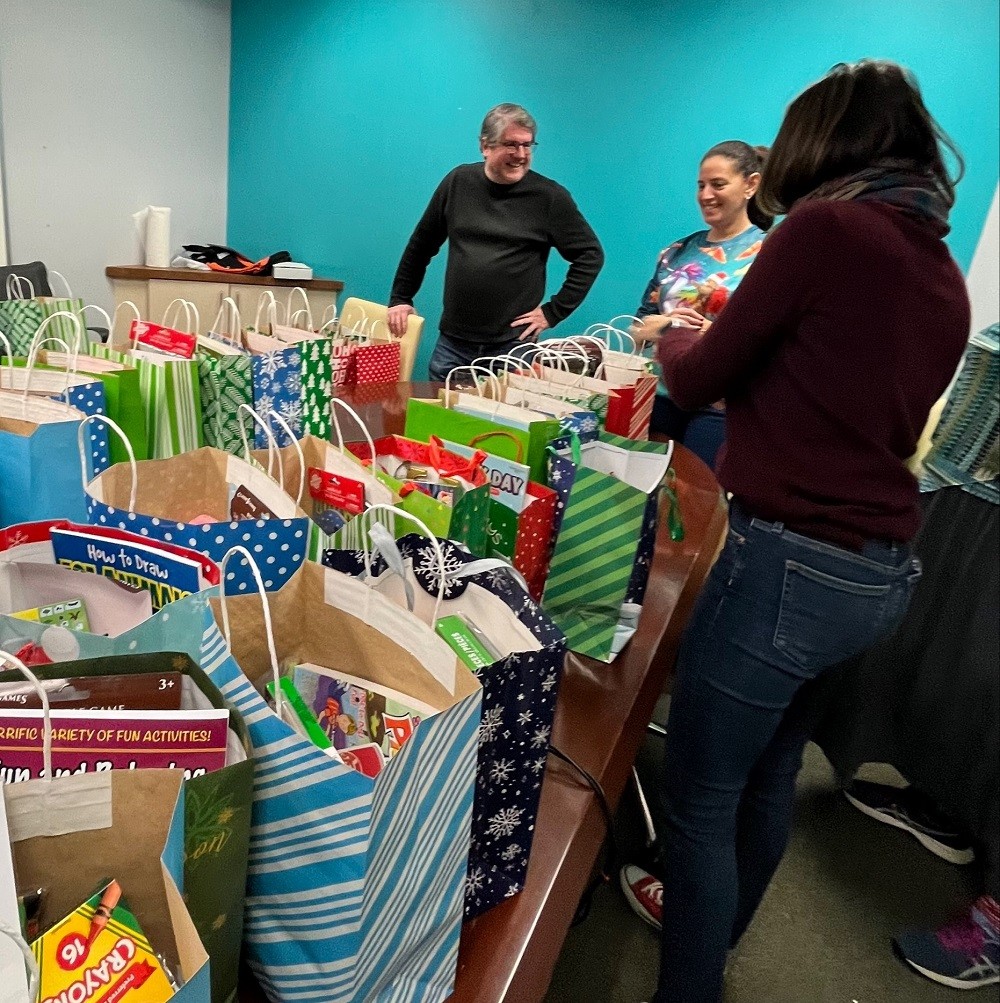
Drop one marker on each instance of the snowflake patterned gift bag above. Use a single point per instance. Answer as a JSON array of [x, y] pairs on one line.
[[608, 513], [520, 687], [209, 501], [355, 885]]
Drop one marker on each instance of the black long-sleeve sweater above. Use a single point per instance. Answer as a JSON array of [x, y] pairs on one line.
[[499, 238]]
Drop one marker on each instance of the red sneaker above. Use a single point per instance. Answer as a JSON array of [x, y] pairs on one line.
[[644, 894]]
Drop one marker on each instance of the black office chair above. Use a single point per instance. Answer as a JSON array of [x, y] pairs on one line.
[[34, 271]]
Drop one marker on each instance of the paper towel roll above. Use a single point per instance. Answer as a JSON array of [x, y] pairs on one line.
[[152, 227]]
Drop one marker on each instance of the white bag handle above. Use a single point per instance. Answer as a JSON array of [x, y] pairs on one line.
[[329, 315], [171, 315], [97, 309], [398, 513], [15, 663], [273, 415], [62, 279], [15, 287], [293, 320], [133, 468], [112, 340], [272, 443], [271, 310], [306, 306], [336, 402], [495, 384], [268, 628], [601, 346], [373, 329], [29, 366], [60, 314], [8, 349], [227, 320], [29, 959], [621, 337]]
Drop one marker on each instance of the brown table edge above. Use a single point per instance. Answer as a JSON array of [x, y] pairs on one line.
[[138, 273], [530, 981]]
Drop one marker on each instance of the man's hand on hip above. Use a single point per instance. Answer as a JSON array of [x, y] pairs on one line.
[[534, 323], [396, 318]]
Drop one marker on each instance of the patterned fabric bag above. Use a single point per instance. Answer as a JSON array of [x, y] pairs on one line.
[[520, 686]]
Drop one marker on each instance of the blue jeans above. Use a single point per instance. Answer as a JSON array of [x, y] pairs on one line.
[[449, 353], [777, 609], [703, 432]]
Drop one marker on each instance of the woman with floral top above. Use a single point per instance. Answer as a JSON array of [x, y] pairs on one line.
[[695, 277]]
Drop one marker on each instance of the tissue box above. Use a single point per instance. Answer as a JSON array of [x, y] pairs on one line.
[[292, 270]]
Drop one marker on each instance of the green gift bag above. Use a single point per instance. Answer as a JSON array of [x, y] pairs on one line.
[[425, 418], [170, 393], [121, 394]]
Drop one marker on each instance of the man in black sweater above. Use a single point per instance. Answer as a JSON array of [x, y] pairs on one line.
[[501, 219]]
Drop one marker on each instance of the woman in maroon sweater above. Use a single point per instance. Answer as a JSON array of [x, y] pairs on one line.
[[830, 354]]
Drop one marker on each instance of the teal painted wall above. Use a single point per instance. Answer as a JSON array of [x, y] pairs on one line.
[[345, 115]]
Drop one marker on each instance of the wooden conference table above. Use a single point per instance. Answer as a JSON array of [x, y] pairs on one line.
[[509, 953]]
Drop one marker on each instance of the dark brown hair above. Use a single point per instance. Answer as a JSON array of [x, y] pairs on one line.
[[860, 115], [747, 160]]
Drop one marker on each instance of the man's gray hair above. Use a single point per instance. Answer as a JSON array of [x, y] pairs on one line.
[[498, 118]]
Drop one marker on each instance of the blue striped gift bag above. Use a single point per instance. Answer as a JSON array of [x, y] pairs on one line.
[[355, 886]]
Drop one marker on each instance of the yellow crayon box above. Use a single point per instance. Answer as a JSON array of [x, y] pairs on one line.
[[99, 954]]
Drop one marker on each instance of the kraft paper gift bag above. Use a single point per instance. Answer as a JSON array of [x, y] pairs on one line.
[[355, 886], [41, 466], [69, 834], [216, 826], [209, 501], [609, 495], [520, 685]]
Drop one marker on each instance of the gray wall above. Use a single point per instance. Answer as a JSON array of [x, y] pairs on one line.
[[107, 107]]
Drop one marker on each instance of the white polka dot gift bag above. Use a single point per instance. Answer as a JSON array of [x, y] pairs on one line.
[[209, 501]]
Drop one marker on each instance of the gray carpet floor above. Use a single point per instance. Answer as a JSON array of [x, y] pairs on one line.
[[822, 934]]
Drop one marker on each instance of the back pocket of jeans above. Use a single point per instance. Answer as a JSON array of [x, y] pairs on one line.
[[824, 620]]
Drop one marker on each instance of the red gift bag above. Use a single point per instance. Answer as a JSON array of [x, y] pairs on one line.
[[376, 362], [535, 537]]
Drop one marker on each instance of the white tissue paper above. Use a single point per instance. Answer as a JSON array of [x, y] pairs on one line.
[[152, 227]]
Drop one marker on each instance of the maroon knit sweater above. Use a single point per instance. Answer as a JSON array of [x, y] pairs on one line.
[[830, 354]]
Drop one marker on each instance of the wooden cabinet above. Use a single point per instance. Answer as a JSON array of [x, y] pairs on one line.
[[153, 289]]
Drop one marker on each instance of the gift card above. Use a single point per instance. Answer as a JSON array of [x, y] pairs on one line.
[[246, 505], [508, 479], [163, 339], [336, 490]]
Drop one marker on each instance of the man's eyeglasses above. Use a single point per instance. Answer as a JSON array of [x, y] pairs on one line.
[[514, 147]]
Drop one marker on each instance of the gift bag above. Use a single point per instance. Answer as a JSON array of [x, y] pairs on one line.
[[225, 381], [72, 833], [216, 827], [354, 888], [425, 418], [609, 503], [207, 500], [20, 314], [377, 358], [525, 654], [292, 375], [331, 485], [464, 520], [41, 460]]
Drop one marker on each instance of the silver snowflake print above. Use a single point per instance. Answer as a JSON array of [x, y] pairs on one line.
[[291, 411], [541, 737], [429, 566], [489, 726], [505, 821], [511, 852], [499, 579], [538, 765], [525, 717], [549, 682], [501, 770], [265, 402], [474, 881], [588, 424], [512, 891], [272, 364]]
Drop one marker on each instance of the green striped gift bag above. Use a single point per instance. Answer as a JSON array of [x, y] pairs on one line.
[[609, 493], [171, 400]]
